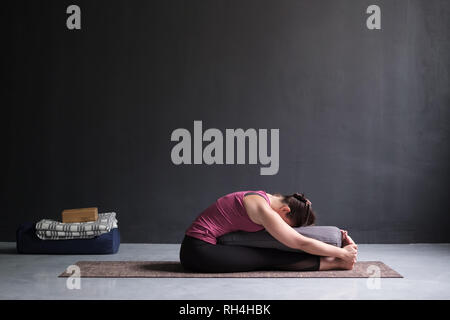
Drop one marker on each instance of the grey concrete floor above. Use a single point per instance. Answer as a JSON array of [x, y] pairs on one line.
[[425, 268]]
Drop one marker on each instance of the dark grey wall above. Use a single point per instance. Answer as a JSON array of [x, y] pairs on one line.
[[363, 115]]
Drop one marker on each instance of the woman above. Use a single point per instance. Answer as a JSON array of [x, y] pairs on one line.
[[253, 211]]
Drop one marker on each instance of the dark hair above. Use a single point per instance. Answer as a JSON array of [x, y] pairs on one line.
[[301, 213]]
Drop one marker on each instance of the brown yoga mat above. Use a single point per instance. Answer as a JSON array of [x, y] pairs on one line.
[[173, 269]]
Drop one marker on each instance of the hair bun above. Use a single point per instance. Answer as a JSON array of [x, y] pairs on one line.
[[300, 197]]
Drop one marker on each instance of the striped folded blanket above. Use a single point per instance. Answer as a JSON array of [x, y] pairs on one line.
[[54, 230]]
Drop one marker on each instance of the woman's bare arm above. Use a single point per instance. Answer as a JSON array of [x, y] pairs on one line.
[[259, 210]]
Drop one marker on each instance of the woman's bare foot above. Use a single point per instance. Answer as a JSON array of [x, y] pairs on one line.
[[345, 265], [346, 240], [332, 263]]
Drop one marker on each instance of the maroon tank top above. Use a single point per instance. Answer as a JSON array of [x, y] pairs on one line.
[[225, 215]]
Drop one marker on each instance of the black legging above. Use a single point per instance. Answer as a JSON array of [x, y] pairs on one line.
[[200, 256]]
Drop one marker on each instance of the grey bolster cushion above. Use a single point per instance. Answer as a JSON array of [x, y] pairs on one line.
[[263, 239]]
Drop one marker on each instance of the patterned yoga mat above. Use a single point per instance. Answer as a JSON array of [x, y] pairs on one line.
[[173, 269]]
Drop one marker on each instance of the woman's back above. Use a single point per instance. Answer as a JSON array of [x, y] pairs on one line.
[[225, 215]]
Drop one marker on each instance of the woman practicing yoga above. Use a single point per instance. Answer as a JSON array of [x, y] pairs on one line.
[[253, 211]]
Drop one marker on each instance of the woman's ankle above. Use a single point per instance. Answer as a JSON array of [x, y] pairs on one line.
[[329, 263]]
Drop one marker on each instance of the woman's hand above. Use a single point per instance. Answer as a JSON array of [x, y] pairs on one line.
[[349, 253]]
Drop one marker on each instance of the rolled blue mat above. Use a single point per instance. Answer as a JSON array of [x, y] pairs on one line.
[[28, 242]]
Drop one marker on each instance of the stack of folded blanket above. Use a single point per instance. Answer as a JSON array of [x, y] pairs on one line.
[[54, 230]]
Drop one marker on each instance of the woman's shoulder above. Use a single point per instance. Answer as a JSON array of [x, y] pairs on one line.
[[241, 195], [246, 196], [251, 202], [261, 193]]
